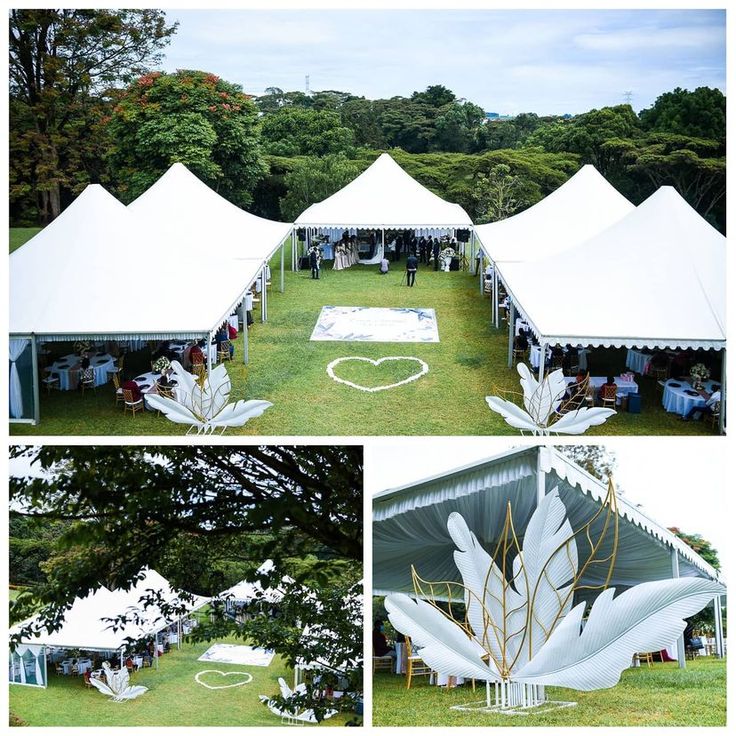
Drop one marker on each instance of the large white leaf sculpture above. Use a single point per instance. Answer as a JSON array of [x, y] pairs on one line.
[[541, 404], [293, 714], [204, 406], [117, 684], [520, 627]]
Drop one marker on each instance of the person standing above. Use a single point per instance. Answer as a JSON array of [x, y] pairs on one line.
[[314, 260], [436, 254], [411, 269]]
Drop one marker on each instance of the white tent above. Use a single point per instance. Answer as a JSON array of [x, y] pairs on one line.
[[583, 206], [173, 265], [656, 279], [87, 626], [409, 523], [246, 591], [384, 196]]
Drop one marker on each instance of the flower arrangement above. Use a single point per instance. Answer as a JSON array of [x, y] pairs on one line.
[[160, 365], [82, 346], [699, 373]]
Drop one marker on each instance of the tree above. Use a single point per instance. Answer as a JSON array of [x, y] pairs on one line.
[[697, 114], [293, 131], [595, 459], [177, 509], [498, 194], [436, 95], [61, 62], [191, 117], [314, 179]]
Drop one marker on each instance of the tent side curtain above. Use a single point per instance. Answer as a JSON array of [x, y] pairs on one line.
[[17, 346], [27, 665]]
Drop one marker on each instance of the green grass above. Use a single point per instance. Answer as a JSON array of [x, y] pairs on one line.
[[287, 369], [174, 698], [19, 235], [660, 696]]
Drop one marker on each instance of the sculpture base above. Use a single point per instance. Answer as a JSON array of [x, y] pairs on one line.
[[518, 710]]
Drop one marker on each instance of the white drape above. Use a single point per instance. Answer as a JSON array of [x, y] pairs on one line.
[[17, 346]]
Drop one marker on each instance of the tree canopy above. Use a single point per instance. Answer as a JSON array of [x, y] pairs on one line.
[[191, 117]]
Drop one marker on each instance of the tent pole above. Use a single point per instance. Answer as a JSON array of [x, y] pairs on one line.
[[263, 293], [495, 295], [681, 639], [512, 319], [209, 353], [480, 274], [722, 413], [245, 339], [121, 658], [155, 648], [34, 366], [283, 248], [718, 626], [542, 360], [178, 633], [541, 486]]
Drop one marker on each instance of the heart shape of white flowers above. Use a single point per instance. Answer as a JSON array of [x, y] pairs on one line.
[[224, 674], [424, 369]]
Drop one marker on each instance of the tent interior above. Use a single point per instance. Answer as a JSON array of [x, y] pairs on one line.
[[410, 523]]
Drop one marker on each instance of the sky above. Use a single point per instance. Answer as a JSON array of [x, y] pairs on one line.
[[507, 61], [676, 481]]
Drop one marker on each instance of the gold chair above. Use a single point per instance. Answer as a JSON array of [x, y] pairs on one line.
[[608, 395], [415, 665], [383, 662], [199, 370], [131, 405], [715, 417], [118, 390], [87, 380], [223, 351], [644, 657]]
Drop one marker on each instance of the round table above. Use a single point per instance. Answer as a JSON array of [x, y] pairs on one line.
[[680, 398], [68, 369]]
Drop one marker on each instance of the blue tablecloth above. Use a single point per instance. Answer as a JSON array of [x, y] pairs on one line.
[[676, 398]]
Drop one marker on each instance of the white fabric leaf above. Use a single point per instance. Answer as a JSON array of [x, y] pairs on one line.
[[645, 618], [513, 415], [441, 643], [578, 421]]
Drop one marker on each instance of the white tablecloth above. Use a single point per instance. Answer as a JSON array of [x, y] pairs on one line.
[[638, 361], [677, 400], [84, 665], [519, 325], [622, 387], [147, 383], [68, 369], [534, 356], [232, 320]]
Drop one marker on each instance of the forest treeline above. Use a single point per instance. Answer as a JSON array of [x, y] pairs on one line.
[[87, 104]]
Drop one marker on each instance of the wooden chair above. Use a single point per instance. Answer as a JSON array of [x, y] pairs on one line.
[[415, 665], [715, 417], [87, 380], [383, 662], [118, 369], [608, 395], [644, 657], [51, 382], [118, 390], [131, 405], [223, 351], [659, 366]]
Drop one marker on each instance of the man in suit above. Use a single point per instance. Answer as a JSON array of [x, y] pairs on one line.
[[314, 260], [436, 254], [411, 269]]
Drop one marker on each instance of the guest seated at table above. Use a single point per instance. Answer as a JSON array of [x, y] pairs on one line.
[[608, 390], [132, 386], [381, 646], [232, 332], [712, 406], [521, 341], [195, 353]]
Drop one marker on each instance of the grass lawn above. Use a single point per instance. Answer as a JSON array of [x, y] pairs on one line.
[[287, 369], [174, 697], [660, 696], [19, 235]]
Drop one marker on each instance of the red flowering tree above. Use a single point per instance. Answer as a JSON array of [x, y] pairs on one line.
[[190, 117]]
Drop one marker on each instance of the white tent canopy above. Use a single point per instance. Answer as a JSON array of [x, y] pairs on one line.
[[384, 196], [409, 523], [85, 625], [246, 590], [175, 263], [656, 278], [583, 206], [194, 221]]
